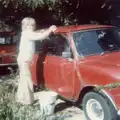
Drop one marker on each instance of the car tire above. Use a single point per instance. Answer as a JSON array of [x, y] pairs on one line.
[[98, 107]]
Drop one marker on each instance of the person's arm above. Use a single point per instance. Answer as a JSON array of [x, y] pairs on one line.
[[42, 35]]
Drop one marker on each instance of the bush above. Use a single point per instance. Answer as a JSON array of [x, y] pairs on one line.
[[10, 110]]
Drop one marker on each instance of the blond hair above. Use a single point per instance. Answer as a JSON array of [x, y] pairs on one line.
[[28, 23]]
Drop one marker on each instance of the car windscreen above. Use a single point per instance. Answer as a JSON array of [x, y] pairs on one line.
[[96, 41]]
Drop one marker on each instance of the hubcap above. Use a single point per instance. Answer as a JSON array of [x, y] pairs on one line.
[[94, 110]]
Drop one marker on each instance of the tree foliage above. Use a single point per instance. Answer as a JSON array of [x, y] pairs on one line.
[[65, 11], [29, 3]]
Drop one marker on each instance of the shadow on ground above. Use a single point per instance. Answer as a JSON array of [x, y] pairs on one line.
[[68, 111], [62, 106]]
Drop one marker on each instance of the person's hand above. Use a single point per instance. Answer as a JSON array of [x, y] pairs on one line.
[[53, 28]]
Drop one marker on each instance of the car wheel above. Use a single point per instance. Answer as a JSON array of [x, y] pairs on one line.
[[97, 107]]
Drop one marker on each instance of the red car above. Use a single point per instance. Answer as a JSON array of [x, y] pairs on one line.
[[76, 62], [8, 50]]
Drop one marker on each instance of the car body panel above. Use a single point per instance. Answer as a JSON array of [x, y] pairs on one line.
[[115, 96]]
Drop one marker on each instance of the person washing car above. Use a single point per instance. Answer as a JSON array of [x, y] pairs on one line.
[[25, 93]]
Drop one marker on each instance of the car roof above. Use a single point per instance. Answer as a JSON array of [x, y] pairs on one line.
[[66, 29]]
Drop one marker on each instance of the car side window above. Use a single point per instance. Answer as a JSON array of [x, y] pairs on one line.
[[38, 45], [16, 39], [6, 40], [57, 45], [42, 46], [2, 40], [87, 43]]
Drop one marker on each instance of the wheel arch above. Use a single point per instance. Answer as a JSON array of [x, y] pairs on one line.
[[87, 89]]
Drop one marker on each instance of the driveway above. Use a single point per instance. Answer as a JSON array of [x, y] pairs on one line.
[[68, 112]]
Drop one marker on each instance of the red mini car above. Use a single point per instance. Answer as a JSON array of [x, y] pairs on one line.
[[76, 61], [8, 50]]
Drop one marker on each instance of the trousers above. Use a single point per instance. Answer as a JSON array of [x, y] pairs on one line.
[[25, 93]]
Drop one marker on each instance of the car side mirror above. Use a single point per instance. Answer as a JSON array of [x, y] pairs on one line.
[[66, 54]]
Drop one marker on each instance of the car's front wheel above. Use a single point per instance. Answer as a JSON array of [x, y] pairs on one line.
[[97, 107]]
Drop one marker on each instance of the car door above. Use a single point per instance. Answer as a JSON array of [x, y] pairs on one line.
[[58, 69]]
